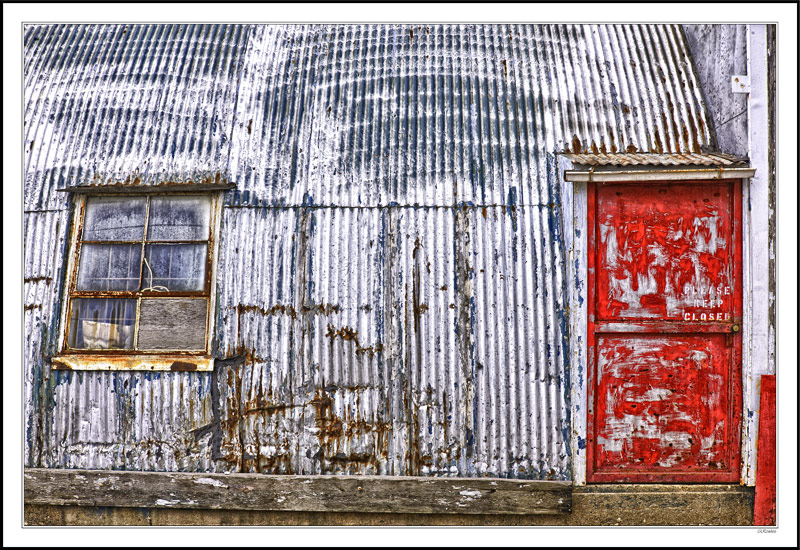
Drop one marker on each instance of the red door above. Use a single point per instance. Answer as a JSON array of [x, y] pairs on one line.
[[664, 310]]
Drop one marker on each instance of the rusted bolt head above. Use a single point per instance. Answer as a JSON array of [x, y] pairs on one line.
[[360, 489]]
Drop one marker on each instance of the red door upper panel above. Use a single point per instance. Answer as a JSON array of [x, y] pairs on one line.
[[664, 252]]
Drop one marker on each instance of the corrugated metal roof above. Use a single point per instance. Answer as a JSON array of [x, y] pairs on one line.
[[375, 115], [391, 268], [334, 114], [673, 159], [131, 104]]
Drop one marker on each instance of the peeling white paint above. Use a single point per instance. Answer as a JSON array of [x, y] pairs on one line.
[[755, 327], [210, 481]]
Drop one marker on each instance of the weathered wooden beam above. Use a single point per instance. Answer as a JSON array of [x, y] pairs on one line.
[[296, 493]]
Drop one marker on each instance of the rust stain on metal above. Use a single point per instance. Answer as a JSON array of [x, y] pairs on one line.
[[271, 408], [183, 366], [652, 159], [349, 334], [685, 135], [345, 333], [31, 307], [659, 148], [60, 365], [695, 141], [666, 135], [133, 360], [357, 458], [47, 280], [289, 310], [326, 421], [576, 144], [505, 69], [671, 109], [631, 148]]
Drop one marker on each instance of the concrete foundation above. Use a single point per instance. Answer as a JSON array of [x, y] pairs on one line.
[[594, 505]]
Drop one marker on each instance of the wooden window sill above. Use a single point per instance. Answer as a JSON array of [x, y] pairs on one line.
[[147, 362]]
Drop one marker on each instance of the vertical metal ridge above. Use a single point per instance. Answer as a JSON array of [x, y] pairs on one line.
[[696, 107]]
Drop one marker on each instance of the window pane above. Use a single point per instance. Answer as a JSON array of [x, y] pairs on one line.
[[180, 267], [102, 323], [114, 219], [172, 323], [109, 267], [179, 219]]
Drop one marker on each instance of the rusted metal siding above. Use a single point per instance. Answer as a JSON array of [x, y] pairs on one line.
[[391, 270], [128, 421], [396, 340]]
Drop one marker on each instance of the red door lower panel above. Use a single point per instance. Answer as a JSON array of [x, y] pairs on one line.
[[664, 339]]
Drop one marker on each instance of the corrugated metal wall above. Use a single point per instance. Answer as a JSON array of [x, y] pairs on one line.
[[391, 273], [135, 104]]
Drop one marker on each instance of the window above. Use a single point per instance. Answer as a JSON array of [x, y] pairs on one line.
[[141, 279]]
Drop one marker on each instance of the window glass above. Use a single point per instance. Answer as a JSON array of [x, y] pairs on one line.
[[102, 323], [177, 267], [114, 219], [109, 267], [179, 219], [136, 256]]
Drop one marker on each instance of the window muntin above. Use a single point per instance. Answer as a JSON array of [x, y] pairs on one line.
[[135, 257]]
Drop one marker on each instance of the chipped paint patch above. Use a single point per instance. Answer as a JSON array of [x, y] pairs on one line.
[[210, 481]]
